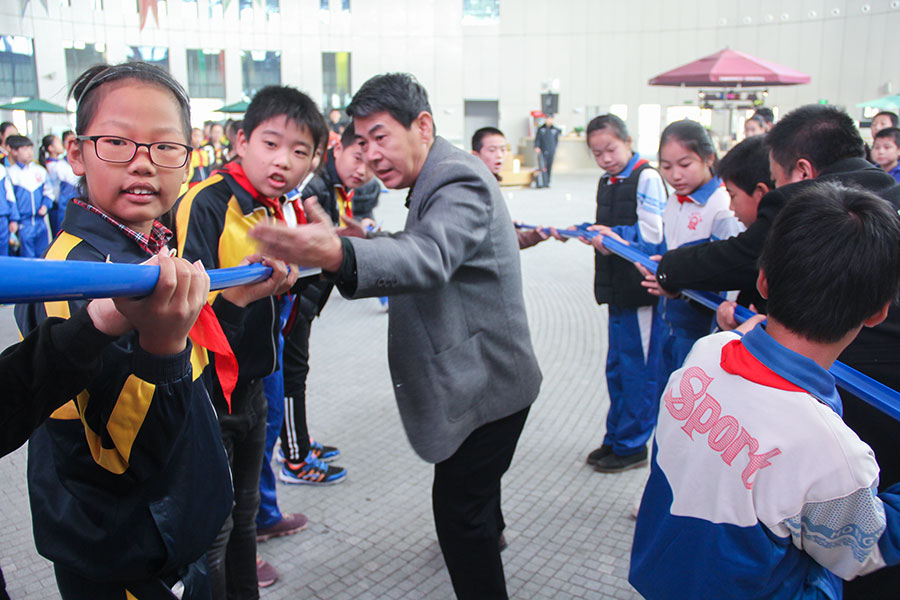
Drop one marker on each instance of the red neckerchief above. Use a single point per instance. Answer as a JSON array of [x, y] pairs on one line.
[[345, 204], [683, 199], [207, 332], [737, 360], [236, 171], [616, 179]]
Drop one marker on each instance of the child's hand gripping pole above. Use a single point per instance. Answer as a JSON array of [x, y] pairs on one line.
[[41, 280]]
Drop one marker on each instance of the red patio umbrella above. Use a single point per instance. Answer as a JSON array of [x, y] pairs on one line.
[[730, 68]]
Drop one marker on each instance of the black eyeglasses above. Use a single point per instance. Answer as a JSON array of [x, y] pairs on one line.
[[115, 149]]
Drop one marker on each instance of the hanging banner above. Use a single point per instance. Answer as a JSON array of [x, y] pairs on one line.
[[144, 6]]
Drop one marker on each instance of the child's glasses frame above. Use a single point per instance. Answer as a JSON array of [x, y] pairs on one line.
[[118, 149]]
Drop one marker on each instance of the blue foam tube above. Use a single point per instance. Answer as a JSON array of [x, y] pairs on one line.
[[40, 280], [875, 393]]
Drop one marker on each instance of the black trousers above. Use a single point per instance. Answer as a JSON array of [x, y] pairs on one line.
[[232, 557], [467, 514], [548, 162], [295, 367], [880, 432]]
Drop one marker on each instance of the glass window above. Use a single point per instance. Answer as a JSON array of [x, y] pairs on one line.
[[206, 73], [345, 5], [479, 11], [323, 4], [80, 56], [215, 4], [648, 129], [620, 110], [272, 6], [678, 113], [155, 55], [260, 68], [18, 76], [336, 91]]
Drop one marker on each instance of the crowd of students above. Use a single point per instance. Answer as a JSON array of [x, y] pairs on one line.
[[151, 441]]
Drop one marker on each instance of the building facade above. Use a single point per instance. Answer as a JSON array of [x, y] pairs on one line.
[[482, 61]]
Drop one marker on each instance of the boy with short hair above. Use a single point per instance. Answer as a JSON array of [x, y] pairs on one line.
[[489, 144], [883, 120], [34, 196], [281, 131], [344, 169], [745, 173], [886, 151], [757, 487]]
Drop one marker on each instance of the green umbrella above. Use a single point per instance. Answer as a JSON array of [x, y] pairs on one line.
[[892, 101], [34, 105], [237, 107]]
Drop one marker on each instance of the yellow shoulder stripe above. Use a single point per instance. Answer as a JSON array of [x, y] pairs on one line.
[[123, 426], [183, 216], [60, 250]]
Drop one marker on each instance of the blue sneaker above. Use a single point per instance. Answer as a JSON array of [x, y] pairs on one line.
[[323, 453], [312, 471]]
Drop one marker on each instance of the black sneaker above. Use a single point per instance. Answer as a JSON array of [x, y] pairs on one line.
[[613, 463], [601, 452]]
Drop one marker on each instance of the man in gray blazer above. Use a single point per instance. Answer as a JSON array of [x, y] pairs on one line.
[[460, 352]]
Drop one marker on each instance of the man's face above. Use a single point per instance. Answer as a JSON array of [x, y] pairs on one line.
[[780, 176], [880, 122], [396, 154], [351, 166], [277, 155], [885, 153], [493, 152]]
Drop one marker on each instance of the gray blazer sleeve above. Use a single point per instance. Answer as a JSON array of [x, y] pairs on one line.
[[444, 231]]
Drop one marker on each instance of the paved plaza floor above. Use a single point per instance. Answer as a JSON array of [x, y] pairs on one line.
[[569, 528]]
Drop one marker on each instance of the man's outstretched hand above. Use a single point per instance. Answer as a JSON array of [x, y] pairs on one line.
[[313, 245]]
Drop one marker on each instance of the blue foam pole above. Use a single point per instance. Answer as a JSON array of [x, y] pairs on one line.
[[40, 280], [875, 393]]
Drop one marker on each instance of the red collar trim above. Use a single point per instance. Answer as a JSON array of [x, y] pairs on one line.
[[237, 173], [737, 360]]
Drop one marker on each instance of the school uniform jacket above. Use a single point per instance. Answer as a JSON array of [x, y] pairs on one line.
[[757, 488], [632, 203], [63, 180], [8, 207], [44, 371], [212, 222], [699, 217], [31, 188], [129, 479]]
